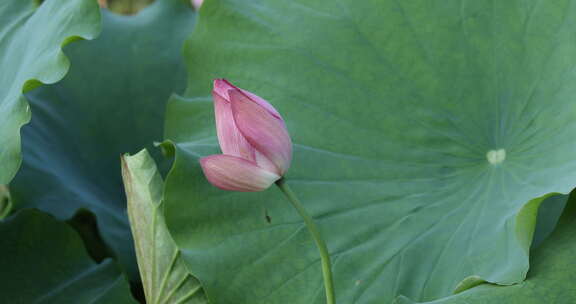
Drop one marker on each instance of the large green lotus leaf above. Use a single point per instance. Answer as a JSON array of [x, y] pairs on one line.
[[30, 54], [164, 274], [550, 279], [426, 134], [112, 102], [44, 261]]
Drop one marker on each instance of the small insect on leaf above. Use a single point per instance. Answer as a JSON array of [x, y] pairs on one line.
[[267, 216]]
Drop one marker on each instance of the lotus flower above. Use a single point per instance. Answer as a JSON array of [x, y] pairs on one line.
[[255, 143]]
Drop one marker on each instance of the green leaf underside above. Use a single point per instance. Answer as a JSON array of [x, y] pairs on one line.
[[44, 261], [550, 279], [547, 218], [422, 129], [164, 274], [111, 102], [30, 54]]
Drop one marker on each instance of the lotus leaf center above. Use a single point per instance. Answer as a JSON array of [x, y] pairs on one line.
[[496, 156]]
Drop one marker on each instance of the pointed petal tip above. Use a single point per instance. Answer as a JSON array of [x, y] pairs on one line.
[[224, 87], [221, 86], [219, 82]]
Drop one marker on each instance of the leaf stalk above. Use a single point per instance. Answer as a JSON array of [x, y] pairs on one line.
[[313, 229]]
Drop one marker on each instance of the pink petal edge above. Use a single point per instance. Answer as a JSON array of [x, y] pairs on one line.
[[223, 86], [236, 174], [264, 131], [231, 140]]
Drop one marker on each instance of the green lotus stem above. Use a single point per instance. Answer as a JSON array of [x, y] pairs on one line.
[[324, 255]]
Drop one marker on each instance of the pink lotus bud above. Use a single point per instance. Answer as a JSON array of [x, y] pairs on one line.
[[256, 147]]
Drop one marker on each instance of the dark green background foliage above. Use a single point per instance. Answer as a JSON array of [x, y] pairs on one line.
[[44, 261], [127, 7], [112, 101], [426, 136], [30, 54]]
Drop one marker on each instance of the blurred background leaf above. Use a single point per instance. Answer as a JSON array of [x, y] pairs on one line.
[[44, 261], [126, 7], [111, 102], [31, 39]]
